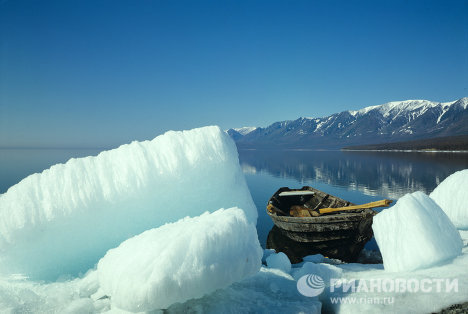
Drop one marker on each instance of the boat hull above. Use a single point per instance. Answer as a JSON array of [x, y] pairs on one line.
[[340, 235], [326, 228]]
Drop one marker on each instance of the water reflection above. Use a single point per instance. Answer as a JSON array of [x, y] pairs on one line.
[[385, 174], [295, 251]]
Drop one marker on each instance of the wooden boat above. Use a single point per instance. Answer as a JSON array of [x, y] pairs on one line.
[[322, 223]]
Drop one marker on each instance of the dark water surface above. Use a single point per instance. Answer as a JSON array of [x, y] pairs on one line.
[[359, 177]]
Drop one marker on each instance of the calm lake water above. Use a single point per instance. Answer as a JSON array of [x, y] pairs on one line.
[[359, 177]]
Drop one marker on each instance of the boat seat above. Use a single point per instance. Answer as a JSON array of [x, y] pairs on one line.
[[296, 193]]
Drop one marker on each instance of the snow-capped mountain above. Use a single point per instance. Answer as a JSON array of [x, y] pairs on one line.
[[238, 133], [390, 122], [246, 129]]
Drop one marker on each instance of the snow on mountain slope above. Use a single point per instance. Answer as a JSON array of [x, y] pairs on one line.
[[245, 130], [393, 121], [397, 107]]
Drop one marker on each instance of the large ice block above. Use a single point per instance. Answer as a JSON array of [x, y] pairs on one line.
[[452, 196], [415, 233], [63, 220], [181, 261]]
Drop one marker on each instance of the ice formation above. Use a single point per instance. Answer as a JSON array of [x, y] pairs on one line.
[[325, 271], [266, 253], [181, 261], [415, 233], [316, 258], [268, 291], [63, 220], [451, 195], [279, 261]]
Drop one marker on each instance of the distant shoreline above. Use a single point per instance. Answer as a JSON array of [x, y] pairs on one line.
[[447, 144], [405, 150]]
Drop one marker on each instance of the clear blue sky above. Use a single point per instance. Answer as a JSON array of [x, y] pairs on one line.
[[103, 73]]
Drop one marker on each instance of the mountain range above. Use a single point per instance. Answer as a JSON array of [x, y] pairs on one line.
[[391, 122]]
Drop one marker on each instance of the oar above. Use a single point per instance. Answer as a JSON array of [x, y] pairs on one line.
[[382, 203]]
